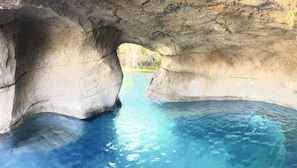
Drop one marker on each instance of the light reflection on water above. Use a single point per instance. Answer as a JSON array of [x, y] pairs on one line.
[[144, 133]]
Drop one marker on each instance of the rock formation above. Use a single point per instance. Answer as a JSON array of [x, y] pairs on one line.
[[60, 55]]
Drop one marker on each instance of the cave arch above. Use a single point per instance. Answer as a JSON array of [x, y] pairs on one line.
[[211, 50]]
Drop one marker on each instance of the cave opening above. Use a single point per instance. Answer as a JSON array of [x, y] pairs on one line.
[[134, 57], [137, 63]]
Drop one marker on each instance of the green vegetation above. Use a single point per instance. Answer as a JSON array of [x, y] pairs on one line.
[[137, 58], [152, 63], [139, 70]]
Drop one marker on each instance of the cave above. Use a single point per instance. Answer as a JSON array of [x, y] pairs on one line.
[[60, 56]]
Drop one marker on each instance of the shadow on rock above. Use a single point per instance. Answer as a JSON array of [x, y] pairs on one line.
[[47, 133]]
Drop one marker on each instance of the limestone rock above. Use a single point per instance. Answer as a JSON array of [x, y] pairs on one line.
[[7, 79], [60, 55]]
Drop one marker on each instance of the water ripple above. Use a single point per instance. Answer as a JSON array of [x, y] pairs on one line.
[[147, 134]]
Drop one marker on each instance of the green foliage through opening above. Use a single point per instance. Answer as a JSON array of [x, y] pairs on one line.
[[135, 57]]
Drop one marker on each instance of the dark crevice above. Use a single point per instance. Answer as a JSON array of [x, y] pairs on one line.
[[23, 74], [42, 101], [184, 72], [7, 86], [175, 48], [115, 12], [144, 3]]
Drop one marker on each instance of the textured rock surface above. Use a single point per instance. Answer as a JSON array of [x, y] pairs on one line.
[[49, 63], [60, 55]]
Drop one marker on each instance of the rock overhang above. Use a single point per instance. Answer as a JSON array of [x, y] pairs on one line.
[[218, 49]]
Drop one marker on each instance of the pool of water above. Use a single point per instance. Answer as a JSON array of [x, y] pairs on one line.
[[144, 133]]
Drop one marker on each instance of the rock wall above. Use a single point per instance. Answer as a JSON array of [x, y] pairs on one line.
[[60, 55], [50, 64], [236, 74], [244, 50], [61, 70], [7, 78]]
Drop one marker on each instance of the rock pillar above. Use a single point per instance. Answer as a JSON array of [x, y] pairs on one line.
[[57, 68]]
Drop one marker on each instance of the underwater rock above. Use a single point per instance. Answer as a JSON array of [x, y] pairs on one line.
[[47, 134]]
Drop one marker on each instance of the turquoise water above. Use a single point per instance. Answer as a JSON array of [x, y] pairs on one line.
[[144, 133]]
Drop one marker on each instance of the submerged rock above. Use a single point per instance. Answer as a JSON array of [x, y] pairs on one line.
[[44, 133]]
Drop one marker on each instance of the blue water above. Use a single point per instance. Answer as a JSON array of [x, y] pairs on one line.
[[144, 133]]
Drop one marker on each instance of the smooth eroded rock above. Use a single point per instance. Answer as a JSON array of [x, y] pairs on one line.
[[60, 56]]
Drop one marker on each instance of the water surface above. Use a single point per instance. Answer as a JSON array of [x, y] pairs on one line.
[[144, 133]]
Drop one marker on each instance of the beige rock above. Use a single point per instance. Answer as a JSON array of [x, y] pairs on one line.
[[60, 56], [6, 106], [7, 78], [69, 76], [231, 73]]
